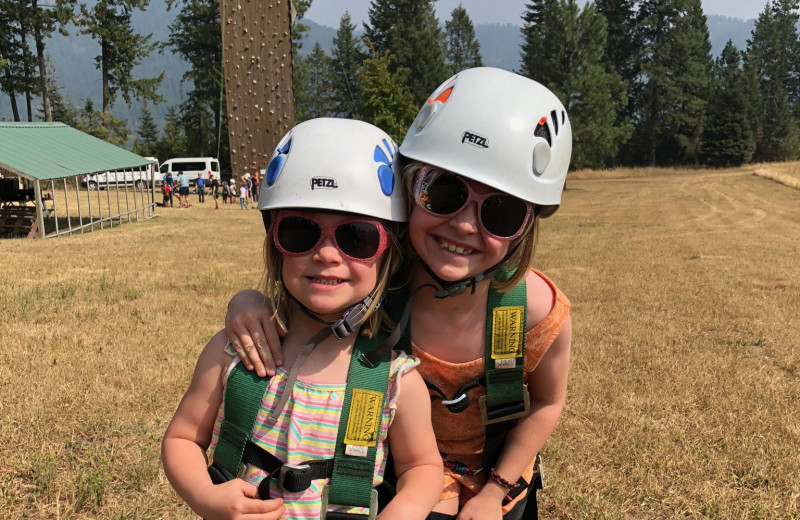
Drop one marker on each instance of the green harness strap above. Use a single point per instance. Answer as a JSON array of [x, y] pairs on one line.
[[356, 444], [506, 391], [243, 394], [357, 441]]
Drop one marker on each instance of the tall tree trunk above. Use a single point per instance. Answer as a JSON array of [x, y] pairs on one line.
[[104, 73], [37, 34], [26, 70], [13, 97], [201, 134]]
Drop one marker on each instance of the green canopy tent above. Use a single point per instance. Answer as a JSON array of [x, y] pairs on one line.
[[49, 152]]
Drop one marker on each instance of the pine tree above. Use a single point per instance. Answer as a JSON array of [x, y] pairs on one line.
[[195, 35], [44, 21], [317, 100], [17, 76], [147, 132], [462, 49], [61, 109], [773, 52], [595, 93], [347, 58], [621, 48], [385, 101], [197, 126], [674, 86], [102, 125], [726, 140], [546, 34], [409, 31], [571, 64], [121, 49], [173, 141]]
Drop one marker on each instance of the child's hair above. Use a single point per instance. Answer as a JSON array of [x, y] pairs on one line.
[[514, 268], [275, 294]]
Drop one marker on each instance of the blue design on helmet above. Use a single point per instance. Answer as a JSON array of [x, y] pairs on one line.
[[384, 160], [277, 162]]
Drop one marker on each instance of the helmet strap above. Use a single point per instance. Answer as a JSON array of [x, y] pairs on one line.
[[459, 286], [350, 321]]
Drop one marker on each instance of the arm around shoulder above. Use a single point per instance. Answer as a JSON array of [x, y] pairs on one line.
[[417, 460], [253, 333]]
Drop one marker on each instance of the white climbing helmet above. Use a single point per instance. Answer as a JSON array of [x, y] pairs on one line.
[[334, 164], [497, 128]]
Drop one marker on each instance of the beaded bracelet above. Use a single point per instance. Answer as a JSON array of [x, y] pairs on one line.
[[501, 481]]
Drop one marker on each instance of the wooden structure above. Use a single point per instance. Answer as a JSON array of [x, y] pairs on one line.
[[39, 165], [257, 63]]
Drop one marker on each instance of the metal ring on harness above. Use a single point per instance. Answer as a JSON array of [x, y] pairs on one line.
[[335, 515], [460, 401]]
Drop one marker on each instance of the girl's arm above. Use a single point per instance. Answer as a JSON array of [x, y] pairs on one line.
[[416, 457], [189, 435], [252, 332]]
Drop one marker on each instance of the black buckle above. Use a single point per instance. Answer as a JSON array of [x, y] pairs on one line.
[[507, 412], [218, 475], [294, 479]]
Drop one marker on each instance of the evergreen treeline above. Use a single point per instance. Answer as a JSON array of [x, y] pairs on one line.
[[637, 76]]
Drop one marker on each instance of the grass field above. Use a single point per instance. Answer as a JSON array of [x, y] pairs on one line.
[[685, 382]]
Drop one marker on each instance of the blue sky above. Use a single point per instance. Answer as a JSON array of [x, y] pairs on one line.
[[328, 12]]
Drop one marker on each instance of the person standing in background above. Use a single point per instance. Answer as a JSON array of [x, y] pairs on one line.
[[200, 184], [255, 183], [213, 185], [243, 195], [183, 194], [171, 184]]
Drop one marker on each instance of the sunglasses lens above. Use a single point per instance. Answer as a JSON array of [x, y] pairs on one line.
[[359, 240], [297, 234], [503, 215], [442, 193]]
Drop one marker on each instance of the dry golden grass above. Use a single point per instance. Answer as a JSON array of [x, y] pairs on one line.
[[787, 173], [685, 377]]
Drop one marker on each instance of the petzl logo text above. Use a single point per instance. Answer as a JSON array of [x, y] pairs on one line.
[[325, 183], [474, 139]]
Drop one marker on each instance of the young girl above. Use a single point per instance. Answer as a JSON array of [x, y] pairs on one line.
[[318, 436], [486, 158]]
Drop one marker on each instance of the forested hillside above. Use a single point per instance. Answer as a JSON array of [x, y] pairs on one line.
[[645, 82], [73, 57]]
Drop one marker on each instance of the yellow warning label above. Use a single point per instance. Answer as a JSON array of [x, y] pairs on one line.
[[364, 418], [507, 332]]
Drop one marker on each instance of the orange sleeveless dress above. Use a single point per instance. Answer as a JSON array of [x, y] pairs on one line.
[[461, 436]]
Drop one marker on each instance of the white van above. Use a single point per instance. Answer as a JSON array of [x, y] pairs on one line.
[[139, 178], [190, 166]]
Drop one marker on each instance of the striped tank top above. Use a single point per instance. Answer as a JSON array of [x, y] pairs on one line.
[[307, 430]]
